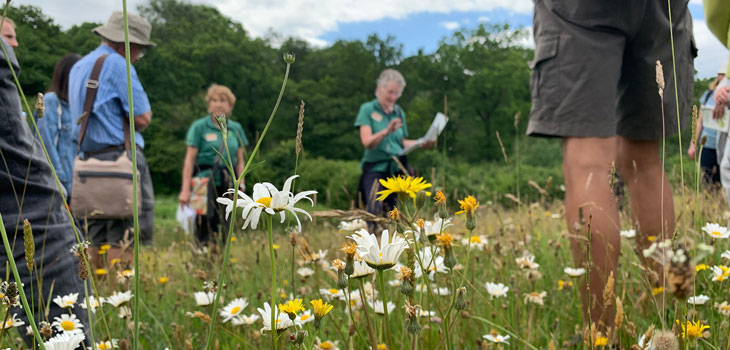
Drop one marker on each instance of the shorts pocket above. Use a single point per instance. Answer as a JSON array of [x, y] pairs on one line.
[[544, 77]]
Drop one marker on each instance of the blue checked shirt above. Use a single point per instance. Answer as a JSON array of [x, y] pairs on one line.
[[105, 125]]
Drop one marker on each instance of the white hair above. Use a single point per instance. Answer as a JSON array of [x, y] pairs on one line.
[[391, 75]]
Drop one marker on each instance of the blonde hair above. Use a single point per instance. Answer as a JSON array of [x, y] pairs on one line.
[[220, 90], [8, 20], [391, 75]]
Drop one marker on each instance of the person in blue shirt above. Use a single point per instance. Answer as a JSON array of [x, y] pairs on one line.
[[709, 156], [57, 125], [104, 136]]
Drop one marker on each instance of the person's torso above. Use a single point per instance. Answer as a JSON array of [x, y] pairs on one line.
[[392, 144], [708, 100], [210, 140], [64, 143]]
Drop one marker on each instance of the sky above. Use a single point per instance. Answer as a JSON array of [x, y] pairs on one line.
[[417, 24]]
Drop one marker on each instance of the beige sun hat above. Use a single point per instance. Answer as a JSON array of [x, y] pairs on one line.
[[139, 29]]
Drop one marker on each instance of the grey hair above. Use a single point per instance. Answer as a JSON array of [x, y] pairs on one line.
[[391, 75], [9, 20]]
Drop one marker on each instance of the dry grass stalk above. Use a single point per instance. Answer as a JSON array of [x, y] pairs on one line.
[[608, 291], [619, 321], [660, 78], [349, 215], [692, 140], [300, 127], [501, 145]]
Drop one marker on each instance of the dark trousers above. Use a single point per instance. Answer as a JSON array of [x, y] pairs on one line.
[[369, 187], [208, 227], [709, 166], [28, 192]]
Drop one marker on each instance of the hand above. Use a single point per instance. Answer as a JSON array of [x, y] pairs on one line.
[[721, 95], [184, 198], [691, 151], [394, 125], [719, 110], [427, 144], [242, 186]]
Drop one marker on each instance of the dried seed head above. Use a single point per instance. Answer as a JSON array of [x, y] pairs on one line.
[[201, 275], [694, 124], [619, 314], [660, 78], [45, 329], [300, 127], [29, 245], [608, 290], [40, 105], [665, 340]]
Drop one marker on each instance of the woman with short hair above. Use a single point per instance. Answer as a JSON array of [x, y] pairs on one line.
[[203, 170]]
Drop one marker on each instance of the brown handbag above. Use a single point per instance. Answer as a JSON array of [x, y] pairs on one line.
[[102, 189]]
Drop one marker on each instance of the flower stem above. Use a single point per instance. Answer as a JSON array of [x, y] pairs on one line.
[[371, 334], [269, 224], [385, 309]]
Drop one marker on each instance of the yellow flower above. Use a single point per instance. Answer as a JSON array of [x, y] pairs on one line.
[[394, 214], [548, 213], [320, 308], [292, 306], [657, 290], [164, 280], [445, 239], [350, 248], [691, 329], [651, 238], [234, 260], [469, 205], [439, 197], [100, 272], [406, 185], [600, 342], [286, 282], [233, 239], [563, 284], [276, 246], [104, 248], [382, 347], [701, 267], [115, 261]]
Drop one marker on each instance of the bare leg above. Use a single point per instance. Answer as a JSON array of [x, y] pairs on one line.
[[651, 197], [587, 168]]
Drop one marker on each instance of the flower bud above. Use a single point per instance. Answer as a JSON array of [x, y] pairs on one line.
[[412, 326], [460, 303], [341, 279], [443, 213], [449, 258], [301, 335], [406, 287], [471, 222], [421, 199], [289, 57], [349, 265]]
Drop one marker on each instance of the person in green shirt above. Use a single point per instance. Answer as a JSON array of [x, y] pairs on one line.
[[383, 131], [204, 168]]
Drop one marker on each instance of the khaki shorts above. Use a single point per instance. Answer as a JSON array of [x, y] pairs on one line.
[[594, 70]]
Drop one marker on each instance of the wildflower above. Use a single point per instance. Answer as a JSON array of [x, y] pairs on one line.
[[204, 298], [651, 238], [91, 303], [305, 272], [496, 289], [281, 323], [326, 345], [104, 248], [725, 255], [445, 239], [527, 262], [698, 300], [269, 199], [10, 293], [164, 280], [305, 317], [378, 307], [394, 214], [723, 308], [468, 205], [535, 297], [245, 319], [575, 272], [119, 298], [352, 226], [379, 255], [332, 293], [432, 228], [494, 337], [657, 290], [67, 323], [13, 322], [460, 303], [361, 269], [114, 261], [600, 342], [720, 273], [65, 341], [125, 312], [107, 345], [403, 186], [475, 242], [692, 330], [67, 301], [233, 309], [197, 314], [292, 307], [716, 231], [564, 284], [382, 347], [701, 267], [100, 272], [628, 233], [320, 309]]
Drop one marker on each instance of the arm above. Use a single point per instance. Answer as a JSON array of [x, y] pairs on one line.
[[370, 140], [239, 167], [48, 128], [721, 98], [691, 152], [187, 174], [142, 121]]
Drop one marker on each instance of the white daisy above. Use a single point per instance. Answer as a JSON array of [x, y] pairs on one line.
[[361, 270], [716, 231], [535, 297], [267, 198], [379, 255], [67, 323], [91, 303], [119, 298], [353, 225], [378, 307], [332, 293], [233, 309], [575, 272], [432, 228], [476, 242], [204, 298], [628, 233], [723, 308], [124, 312], [432, 261], [326, 345], [496, 338], [725, 255], [698, 300], [720, 273], [497, 289], [282, 320], [107, 345], [65, 341], [305, 271], [13, 322], [67, 301], [304, 317], [245, 320], [394, 283], [527, 262]]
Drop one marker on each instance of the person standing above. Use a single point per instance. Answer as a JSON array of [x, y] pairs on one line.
[[594, 84], [204, 167], [56, 127], [104, 137], [709, 157]]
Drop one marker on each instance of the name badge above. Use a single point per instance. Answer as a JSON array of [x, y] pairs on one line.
[[376, 116], [211, 137]]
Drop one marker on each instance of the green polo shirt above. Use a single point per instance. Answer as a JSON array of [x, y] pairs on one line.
[[206, 137], [371, 114]]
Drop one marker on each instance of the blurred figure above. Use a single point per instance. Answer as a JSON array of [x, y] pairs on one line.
[[710, 157], [57, 125], [8, 32]]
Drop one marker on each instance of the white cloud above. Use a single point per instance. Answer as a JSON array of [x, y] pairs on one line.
[[306, 19], [712, 54], [483, 19], [450, 25]]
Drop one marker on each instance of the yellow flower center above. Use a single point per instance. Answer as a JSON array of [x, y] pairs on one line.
[[657, 290], [304, 317], [266, 201], [725, 307], [651, 238], [326, 345], [68, 325], [69, 302], [104, 346], [716, 233], [235, 310], [334, 291], [476, 239]]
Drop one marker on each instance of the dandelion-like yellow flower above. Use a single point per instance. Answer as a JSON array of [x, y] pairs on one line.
[[445, 239], [692, 330], [276, 246], [563, 284], [115, 261], [394, 214], [350, 248], [469, 205], [407, 185], [657, 290], [439, 197], [320, 308], [382, 347], [292, 306], [651, 238], [701, 267], [100, 272], [164, 280], [600, 342]]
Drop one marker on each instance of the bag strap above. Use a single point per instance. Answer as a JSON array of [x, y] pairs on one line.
[[92, 86]]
